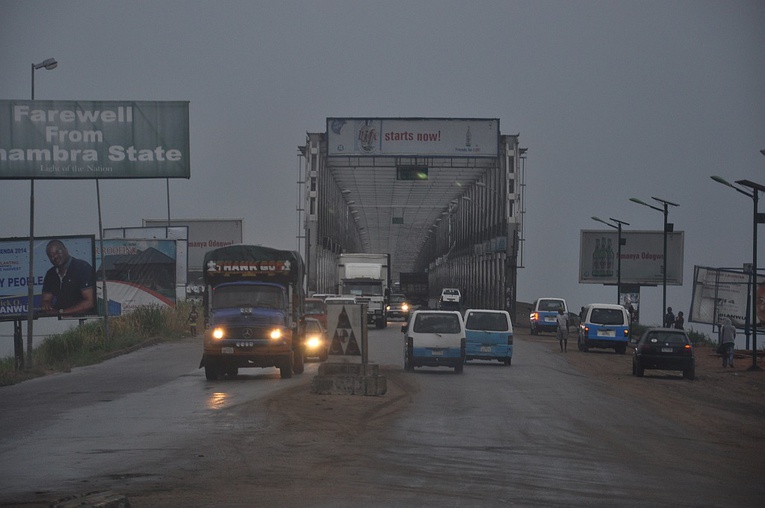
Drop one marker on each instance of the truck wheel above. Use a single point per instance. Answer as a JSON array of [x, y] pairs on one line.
[[297, 364], [285, 371], [458, 368], [211, 372]]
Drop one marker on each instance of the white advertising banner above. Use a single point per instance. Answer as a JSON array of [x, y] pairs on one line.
[[721, 293], [642, 257], [428, 137]]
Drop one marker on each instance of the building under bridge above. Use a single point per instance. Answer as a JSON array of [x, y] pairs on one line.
[[442, 196]]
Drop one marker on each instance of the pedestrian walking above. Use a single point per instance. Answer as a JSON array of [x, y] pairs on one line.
[[192, 319], [726, 342], [679, 320], [669, 318], [562, 320]]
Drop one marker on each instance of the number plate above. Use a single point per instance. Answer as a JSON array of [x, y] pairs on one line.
[[667, 350], [486, 349], [437, 352], [549, 319], [606, 333], [227, 350]]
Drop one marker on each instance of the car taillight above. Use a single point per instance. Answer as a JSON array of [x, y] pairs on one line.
[[534, 316], [626, 332], [509, 340]]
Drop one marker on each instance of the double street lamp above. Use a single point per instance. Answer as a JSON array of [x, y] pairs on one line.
[[668, 228], [616, 224], [757, 218]]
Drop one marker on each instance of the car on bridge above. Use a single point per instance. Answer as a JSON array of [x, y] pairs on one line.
[[488, 335], [434, 338], [398, 307], [314, 340], [450, 299]]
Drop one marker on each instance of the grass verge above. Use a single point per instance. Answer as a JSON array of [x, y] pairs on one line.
[[86, 344]]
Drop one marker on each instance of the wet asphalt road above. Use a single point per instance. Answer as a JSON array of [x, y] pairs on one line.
[[537, 433]]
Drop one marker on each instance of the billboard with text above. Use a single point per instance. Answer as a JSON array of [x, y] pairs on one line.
[[94, 139], [428, 137], [642, 257], [54, 288]]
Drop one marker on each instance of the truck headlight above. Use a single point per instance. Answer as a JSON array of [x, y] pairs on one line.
[[404, 307], [218, 333], [276, 333]]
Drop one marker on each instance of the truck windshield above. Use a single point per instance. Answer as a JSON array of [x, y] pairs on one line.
[[363, 288], [248, 296]]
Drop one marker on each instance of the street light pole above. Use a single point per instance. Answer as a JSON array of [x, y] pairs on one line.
[[757, 218], [665, 210], [47, 64], [618, 227]]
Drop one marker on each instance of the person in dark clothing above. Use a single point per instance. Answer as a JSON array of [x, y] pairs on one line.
[[192, 319], [69, 285], [669, 318], [679, 320]]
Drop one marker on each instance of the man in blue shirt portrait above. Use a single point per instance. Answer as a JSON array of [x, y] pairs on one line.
[[69, 286]]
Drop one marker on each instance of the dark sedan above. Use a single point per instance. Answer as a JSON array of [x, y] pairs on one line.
[[664, 349]]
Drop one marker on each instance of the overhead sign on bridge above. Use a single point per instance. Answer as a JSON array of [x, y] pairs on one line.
[[429, 137]]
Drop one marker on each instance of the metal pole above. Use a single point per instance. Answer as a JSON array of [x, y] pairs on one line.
[[755, 198], [105, 297], [664, 270], [167, 180], [30, 281], [619, 267]]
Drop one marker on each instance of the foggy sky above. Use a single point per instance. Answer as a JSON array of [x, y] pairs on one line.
[[613, 99]]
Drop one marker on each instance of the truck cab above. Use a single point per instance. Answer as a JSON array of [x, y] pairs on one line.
[[254, 305]]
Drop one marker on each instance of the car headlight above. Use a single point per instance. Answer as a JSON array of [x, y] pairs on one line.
[[313, 342], [405, 307], [276, 333], [218, 333]]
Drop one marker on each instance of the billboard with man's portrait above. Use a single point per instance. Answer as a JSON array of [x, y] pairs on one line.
[[63, 277]]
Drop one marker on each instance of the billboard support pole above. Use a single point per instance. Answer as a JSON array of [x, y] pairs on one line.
[[103, 265]]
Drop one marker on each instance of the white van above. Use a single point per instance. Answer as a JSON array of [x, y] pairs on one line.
[[604, 325], [434, 338]]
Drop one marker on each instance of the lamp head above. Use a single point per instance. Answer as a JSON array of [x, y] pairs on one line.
[[48, 64]]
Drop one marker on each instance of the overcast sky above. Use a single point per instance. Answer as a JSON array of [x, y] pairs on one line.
[[613, 99]]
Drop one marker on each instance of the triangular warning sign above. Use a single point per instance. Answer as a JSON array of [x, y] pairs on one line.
[[342, 319], [338, 342], [353, 347]]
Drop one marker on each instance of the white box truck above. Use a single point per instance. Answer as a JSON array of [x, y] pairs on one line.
[[367, 277]]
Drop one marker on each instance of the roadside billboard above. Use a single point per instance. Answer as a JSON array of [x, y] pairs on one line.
[[720, 293], [139, 272], [203, 236], [428, 137], [642, 257], [179, 234], [75, 254], [94, 139]]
